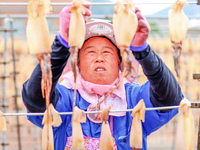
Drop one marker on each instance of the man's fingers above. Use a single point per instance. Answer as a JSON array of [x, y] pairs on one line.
[[87, 8], [87, 12], [136, 9], [142, 22], [66, 9], [87, 2], [138, 13], [143, 26]]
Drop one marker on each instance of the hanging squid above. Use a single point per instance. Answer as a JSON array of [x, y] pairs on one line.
[[3, 126], [76, 39], [185, 136], [39, 44], [125, 24], [78, 117], [76, 35], [106, 141], [51, 118], [178, 26], [38, 40], [138, 115]]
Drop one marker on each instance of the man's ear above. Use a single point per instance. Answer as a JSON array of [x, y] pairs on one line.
[[121, 66], [78, 61], [79, 70], [78, 58]]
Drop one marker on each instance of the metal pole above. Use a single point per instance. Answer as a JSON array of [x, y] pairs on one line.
[[198, 140], [198, 137], [93, 4], [15, 84], [193, 105], [4, 86], [197, 76]]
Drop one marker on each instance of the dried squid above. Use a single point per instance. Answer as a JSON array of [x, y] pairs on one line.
[[185, 135], [76, 35], [3, 126], [78, 117], [51, 118], [39, 44], [125, 24], [178, 26], [138, 115], [106, 141]]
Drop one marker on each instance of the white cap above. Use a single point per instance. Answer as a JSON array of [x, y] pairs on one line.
[[100, 28]]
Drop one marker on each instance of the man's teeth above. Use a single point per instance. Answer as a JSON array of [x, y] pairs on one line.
[[100, 69]]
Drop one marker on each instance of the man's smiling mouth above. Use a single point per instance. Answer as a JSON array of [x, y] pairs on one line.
[[100, 69]]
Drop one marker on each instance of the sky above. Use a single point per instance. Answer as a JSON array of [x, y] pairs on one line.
[[148, 8]]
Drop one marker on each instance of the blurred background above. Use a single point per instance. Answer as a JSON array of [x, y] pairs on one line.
[[16, 65]]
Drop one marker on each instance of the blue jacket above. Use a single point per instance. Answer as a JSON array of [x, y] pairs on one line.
[[162, 89]]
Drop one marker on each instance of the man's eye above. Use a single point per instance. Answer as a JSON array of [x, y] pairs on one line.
[[106, 52], [91, 51]]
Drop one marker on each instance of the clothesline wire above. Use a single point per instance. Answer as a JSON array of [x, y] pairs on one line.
[[95, 4], [193, 105]]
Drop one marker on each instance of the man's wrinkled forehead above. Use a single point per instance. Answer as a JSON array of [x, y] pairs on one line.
[[100, 36]]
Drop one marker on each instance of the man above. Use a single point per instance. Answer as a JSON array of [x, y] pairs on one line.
[[99, 66]]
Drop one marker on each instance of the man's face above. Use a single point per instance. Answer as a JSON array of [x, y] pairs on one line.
[[99, 61]]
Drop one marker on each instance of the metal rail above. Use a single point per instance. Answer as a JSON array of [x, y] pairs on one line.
[[3, 77], [10, 25], [193, 105], [197, 77], [93, 4], [56, 16]]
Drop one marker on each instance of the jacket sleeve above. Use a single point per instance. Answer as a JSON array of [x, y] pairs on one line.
[[31, 91], [164, 89]]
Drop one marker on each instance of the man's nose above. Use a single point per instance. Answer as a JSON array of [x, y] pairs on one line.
[[99, 58]]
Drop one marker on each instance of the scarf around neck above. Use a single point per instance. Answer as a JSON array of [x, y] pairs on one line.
[[94, 93]]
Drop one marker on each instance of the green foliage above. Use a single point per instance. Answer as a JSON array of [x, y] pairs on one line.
[[154, 28]]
